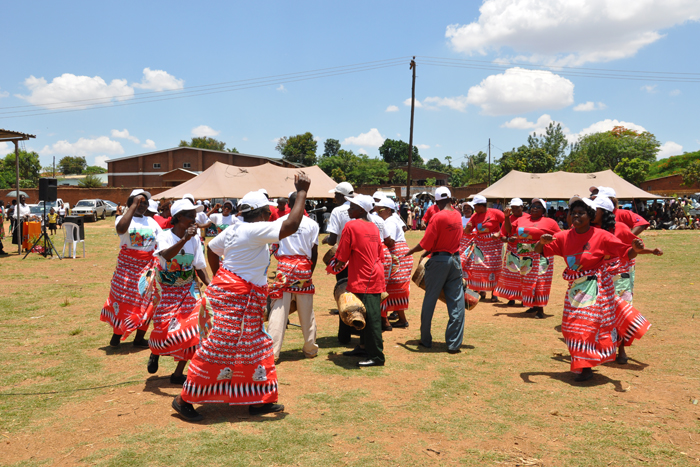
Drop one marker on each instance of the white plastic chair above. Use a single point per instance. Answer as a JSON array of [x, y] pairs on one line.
[[71, 231]]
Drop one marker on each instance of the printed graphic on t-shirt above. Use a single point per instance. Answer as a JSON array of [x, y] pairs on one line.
[[180, 267], [141, 237]]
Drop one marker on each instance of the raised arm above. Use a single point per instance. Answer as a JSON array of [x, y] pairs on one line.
[[291, 224]]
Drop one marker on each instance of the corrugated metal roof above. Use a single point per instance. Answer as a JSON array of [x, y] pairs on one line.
[[10, 135], [271, 159]]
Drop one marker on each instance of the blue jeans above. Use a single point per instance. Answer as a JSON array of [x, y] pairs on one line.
[[443, 273]]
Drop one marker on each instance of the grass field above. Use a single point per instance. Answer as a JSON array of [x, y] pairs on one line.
[[508, 398]]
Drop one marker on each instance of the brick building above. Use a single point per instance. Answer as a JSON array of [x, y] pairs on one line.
[[147, 169], [419, 176], [669, 185]]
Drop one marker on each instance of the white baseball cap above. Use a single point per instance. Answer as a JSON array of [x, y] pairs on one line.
[[139, 191], [603, 191], [184, 205], [386, 203], [188, 196], [253, 200], [587, 201], [478, 199], [603, 202], [539, 200], [263, 191], [364, 201], [442, 193], [152, 206], [344, 188], [379, 195], [516, 202]]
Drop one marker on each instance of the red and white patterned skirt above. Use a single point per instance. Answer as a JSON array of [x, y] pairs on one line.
[[485, 263], [294, 275], [399, 284], [234, 363]]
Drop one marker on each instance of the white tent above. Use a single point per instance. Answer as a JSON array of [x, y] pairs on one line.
[[230, 181], [561, 185]]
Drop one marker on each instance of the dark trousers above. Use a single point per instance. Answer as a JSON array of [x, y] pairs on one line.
[[371, 336], [443, 273], [344, 331]]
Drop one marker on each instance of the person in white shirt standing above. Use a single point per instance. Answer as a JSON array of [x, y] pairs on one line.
[[296, 261]]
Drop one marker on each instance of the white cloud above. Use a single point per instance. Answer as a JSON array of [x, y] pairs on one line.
[[5, 149], [458, 103], [69, 88], [245, 138], [398, 135], [124, 134], [669, 148], [317, 138], [362, 151], [675, 92], [392, 108], [650, 88], [372, 139], [521, 123], [281, 88], [159, 80], [101, 161], [422, 146], [566, 32], [275, 140], [204, 130], [519, 91], [407, 102], [4, 94], [85, 147], [149, 144], [438, 146], [589, 106], [602, 126]]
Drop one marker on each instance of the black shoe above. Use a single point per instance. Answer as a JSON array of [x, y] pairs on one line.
[[114, 342], [356, 352], [265, 408], [393, 316], [531, 310], [421, 344], [179, 380], [620, 360], [400, 325], [387, 328], [539, 314], [334, 312], [584, 376], [186, 410], [511, 302], [370, 362], [152, 366], [141, 343], [453, 351]]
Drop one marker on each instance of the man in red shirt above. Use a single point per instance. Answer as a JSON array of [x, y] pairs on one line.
[[163, 218], [443, 272], [281, 210], [360, 247]]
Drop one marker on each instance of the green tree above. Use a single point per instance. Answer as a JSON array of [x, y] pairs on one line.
[[357, 169], [331, 147], [476, 168], [436, 165], [526, 159], [691, 174], [398, 177], [72, 165], [395, 153], [633, 170], [206, 142], [94, 169], [603, 151], [90, 181], [29, 169], [672, 165], [553, 142], [430, 181], [300, 149]]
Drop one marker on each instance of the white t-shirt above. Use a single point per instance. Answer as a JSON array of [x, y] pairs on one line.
[[339, 217], [397, 218], [244, 248], [394, 229], [141, 234], [23, 210], [465, 221], [379, 222], [302, 241], [201, 218], [220, 219], [190, 256], [62, 210]]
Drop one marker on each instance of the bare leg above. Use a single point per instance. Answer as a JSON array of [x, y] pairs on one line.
[[621, 354], [139, 340], [180, 368]]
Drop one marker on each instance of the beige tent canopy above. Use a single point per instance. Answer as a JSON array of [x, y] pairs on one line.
[[561, 185], [230, 181]]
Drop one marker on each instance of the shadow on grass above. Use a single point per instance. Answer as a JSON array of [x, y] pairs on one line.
[[223, 413], [291, 356], [636, 366], [568, 378], [348, 363], [125, 348], [331, 342], [155, 384], [521, 314], [437, 347]]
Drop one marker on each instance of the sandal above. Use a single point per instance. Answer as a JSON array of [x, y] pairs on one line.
[[187, 411]]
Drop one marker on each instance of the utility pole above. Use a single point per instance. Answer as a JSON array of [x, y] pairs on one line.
[[54, 166], [489, 162], [410, 134]]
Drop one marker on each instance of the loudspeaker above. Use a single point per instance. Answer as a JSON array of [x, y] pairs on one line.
[[78, 220], [48, 189]]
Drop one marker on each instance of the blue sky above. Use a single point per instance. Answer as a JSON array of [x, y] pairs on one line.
[[503, 69]]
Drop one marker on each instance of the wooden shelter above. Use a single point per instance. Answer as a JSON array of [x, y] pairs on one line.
[[16, 137]]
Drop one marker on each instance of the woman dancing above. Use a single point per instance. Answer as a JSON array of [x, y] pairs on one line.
[[126, 309], [509, 283], [486, 256], [588, 322], [176, 295], [235, 362]]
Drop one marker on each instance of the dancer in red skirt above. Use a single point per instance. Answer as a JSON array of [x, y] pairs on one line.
[[486, 258], [398, 283], [627, 318], [509, 282], [532, 271], [176, 298], [467, 240], [235, 362], [588, 322], [126, 309]]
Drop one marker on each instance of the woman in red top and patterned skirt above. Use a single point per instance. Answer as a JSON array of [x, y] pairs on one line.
[[588, 322], [532, 271], [509, 285], [487, 254]]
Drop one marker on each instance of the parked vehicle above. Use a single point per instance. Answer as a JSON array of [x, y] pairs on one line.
[[90, 209], [110, 206]]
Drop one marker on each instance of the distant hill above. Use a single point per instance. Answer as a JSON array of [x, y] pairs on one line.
[[672, 165]]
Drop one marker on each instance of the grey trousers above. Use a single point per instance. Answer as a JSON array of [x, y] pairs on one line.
[[443, 273]]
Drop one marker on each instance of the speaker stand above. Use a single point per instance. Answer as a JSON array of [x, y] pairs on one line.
[[46, 238]]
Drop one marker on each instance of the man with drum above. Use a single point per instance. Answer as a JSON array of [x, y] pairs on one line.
[[443, 271]]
